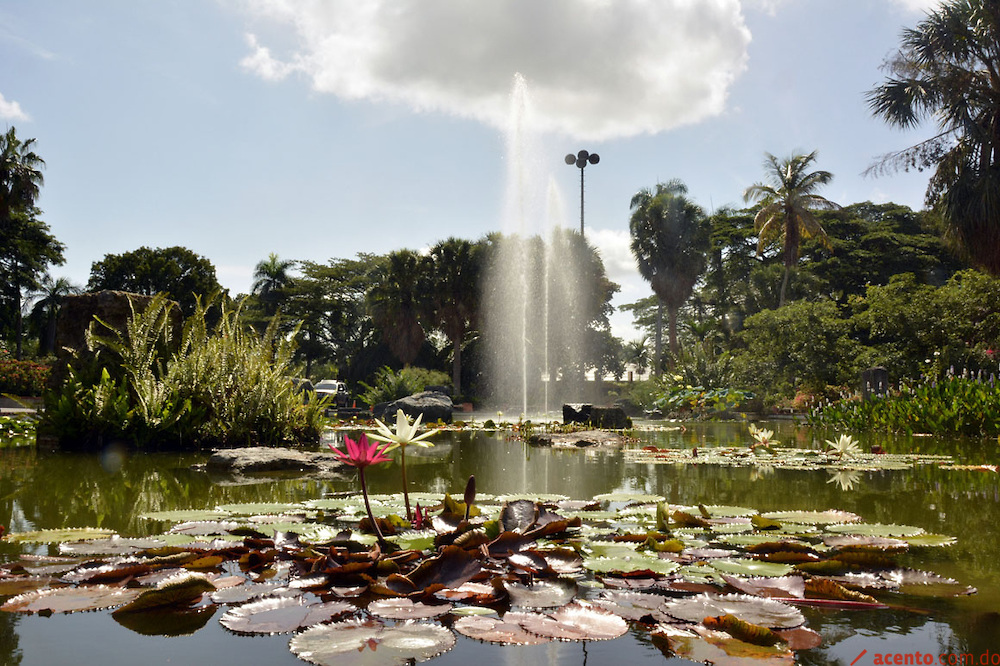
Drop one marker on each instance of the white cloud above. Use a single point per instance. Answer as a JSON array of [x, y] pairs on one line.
[[597, 68], [11, 110]]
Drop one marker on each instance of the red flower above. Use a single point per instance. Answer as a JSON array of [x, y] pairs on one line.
[[361, 454]]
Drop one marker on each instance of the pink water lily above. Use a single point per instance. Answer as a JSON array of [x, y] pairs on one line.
[[361, 454]]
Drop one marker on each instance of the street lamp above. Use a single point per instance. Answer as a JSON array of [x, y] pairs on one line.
[[581, 159]]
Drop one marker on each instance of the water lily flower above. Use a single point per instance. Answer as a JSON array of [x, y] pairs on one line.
[[844, 446], [762, 437], [406, 433], [361, 454]]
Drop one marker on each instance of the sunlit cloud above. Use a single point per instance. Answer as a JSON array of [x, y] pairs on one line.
[[597, 68], [11, 110]]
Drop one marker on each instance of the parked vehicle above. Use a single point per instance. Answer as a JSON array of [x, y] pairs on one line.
[[334, 388]]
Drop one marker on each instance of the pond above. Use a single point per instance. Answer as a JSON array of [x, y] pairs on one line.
[[41, 490]]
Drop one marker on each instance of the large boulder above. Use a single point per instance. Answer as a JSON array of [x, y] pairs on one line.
[[258, 459], [610, 418], [577, 440], [433, 405]]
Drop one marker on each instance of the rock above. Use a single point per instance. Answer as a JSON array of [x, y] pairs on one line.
[[433, 405], [576, 440], [256, 459], [612, 418]]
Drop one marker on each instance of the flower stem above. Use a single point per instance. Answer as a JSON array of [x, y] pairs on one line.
[[406, 494], [368, 507]]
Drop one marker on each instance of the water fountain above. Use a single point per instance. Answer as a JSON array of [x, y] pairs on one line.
[[533, 323]]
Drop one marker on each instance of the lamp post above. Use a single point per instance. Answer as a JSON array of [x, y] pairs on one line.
[[581, 159]]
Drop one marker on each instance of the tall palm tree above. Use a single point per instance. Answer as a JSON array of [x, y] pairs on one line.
[[396, 302], [670, 238], [788, 200], [20, 182], [948, 69], [270, 277], [455, 268], [50, 295]]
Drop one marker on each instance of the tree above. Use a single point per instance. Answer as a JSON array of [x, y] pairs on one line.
[[948, 68], [270, 280], [455, 269], [787, 204], [50, 295], [669, 241], [396, 302], [26, 246], [175, 271]]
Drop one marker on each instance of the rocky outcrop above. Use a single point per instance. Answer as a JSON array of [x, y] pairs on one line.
[[611, 418], [433, 405], [262, 459], [577, 440]]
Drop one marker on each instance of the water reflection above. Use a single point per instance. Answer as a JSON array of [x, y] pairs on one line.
[[51, 490]]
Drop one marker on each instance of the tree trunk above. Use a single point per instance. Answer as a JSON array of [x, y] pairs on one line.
[[456, 367], [658, 346], [19, 321], [784, 286], [672, 329]]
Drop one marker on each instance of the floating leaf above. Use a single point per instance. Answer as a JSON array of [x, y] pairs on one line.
[[281, 615], [634, 606], [497, 630], [406, 609], [814, 517], [632, 564], [177, 590], [926, 584], [756, 610], [257, 508], [371, 643], [629, 497], [204, 528], [826, 588], [577, 621], [114, 545], [721, 649], [742, 630], [70, 599], [542, 594], [930, 540], [876, 529], [187, 515], [745, 567], [58, 536]]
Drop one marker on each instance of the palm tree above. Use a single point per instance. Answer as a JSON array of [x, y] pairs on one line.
[[270, 279], [396, 302], [20, 182], [787, 201], [948, 69], [637, 353], [50, 295], [455, 270], [669, 241]]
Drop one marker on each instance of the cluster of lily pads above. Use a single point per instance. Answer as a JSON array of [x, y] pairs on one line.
[[706, 582]]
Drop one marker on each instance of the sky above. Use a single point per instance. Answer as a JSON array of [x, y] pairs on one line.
[[318, 129]]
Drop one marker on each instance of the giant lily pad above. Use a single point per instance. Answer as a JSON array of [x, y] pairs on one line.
[[630, 564], [755, 610], [577, 621], [406, 609], [876, 529], [542, 594], [814, 517], [70, 599], [371, 643], [745, 567], [496, 630], [721, 649], [59, 536], [281, 615]]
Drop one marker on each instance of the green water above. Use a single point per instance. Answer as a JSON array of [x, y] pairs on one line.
[[49, 490]]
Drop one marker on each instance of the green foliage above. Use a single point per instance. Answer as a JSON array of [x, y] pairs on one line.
[[216, 386], [958, 404], [702, 384], [22, 378], [16, 431], [801, 345], [390, 385]]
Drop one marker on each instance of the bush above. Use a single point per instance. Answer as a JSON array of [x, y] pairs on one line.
[[389, 385], [22, 378], [220, 387]]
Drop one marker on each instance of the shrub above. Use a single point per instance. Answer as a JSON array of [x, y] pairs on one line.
[[22, 378], [389, 385]]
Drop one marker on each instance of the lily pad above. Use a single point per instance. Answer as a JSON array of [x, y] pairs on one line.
[[629, 565], [577, 621], [371, 643], [876, 529], [114, 545], [630, 498], [70, 599], [59, 536], [755, 610], [542, 594], [930, 540], [184, 516], [814, 517], [745, 567], [503, 631], [281, 615], [406, 609], [721, 649], [256, 508]]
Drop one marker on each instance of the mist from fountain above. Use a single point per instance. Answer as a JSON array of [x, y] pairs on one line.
[[531, 336]]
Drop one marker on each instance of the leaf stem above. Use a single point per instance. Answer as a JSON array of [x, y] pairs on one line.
[[368, 507]]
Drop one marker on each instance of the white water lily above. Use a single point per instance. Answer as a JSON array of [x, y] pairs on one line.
[[406, 433], [844, 446], [761, 435]]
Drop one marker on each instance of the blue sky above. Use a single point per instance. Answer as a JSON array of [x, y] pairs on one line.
[[318, 129]]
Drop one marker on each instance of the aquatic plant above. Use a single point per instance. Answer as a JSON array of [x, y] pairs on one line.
[[406, 433], [844, 446], [361, 454]]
